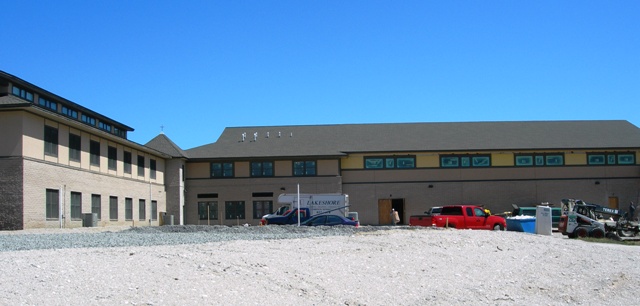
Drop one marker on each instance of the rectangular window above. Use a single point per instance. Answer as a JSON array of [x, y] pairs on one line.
[[50, 141], [88, 120], [261, 169], [554, 160], [449, 161], [52, 204], [104, 126], [480, 161], [113, 208], [48, 104], [94, 151], [524, 160], [112, 154], [304, 168], [234, 210], [152, 168], [154, 210], [74, 147], [208, 210], [221, 169], [69, 112], [595, 159], [27, 95], [373, 163], [405, 162], [261, 208], [626, 159], [127, 162], [128, 209], [140, 165], [142, 210], [76, 205], [96, 206]]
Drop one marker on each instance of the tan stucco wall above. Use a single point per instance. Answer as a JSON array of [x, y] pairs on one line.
[[198, 170], [575, 159], [501, 159], [11, 135], [328, 167]]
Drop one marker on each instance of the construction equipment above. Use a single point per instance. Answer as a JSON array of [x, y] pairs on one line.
[[580, 219]]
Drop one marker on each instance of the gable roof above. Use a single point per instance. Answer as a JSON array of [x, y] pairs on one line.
[[10, 100], [338, 140], [163, 144]]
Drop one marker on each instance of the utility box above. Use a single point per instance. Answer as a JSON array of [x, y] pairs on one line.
[[90, 220], [167, 219], [543, 220]]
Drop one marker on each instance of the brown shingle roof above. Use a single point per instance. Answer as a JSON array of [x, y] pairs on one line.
[[336, 140], [163, 144]]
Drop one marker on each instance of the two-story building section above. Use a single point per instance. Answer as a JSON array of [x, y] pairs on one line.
[[60, 160], [413, 166]]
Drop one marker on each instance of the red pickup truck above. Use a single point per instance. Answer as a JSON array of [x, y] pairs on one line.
[[461, 217]]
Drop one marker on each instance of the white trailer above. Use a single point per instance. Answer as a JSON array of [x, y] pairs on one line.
[[321, 203]]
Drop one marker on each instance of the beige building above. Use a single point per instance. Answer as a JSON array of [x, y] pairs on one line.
[[60, 161], [413, 166]]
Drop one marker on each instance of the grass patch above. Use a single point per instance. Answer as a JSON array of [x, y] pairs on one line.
[[611, 241]]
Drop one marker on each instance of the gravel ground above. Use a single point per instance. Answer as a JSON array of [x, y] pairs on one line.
[[287, 265]]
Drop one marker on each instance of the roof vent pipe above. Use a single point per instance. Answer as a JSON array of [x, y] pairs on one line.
[[267, 134], [255, 136], [291, 135], [279, 134], [244, 135]]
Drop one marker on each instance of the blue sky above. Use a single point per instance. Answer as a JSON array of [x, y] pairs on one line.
[[196, 67]]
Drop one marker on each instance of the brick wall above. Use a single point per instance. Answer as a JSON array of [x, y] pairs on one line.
[[41, 175], [11, 199]]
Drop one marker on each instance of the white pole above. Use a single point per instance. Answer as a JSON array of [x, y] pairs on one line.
[[61, 205], [298, 204]]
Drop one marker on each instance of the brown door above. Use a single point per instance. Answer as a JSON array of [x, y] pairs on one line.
[[613, 202], [384, 211]]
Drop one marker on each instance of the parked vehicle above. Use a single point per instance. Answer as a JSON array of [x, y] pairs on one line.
[[310, 205], [461, 217], [582, 219], [433, 211], [425, 219], [556, 212], [329, 220]]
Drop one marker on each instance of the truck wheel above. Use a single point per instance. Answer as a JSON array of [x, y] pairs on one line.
[[597, 233], [498, 227], [581, 232]]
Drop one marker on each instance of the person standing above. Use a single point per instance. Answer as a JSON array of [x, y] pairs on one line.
[[395, 218]]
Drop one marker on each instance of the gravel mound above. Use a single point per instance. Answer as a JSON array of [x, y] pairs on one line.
[[167, 235], [287, 265]]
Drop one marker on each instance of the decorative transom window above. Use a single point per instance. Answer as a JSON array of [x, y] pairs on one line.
[[539, 160], [601, 159], [465, 161], [389, 162]]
